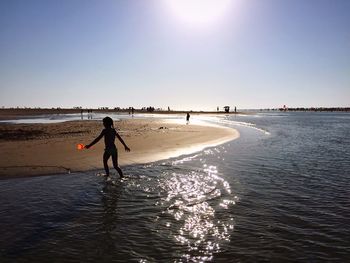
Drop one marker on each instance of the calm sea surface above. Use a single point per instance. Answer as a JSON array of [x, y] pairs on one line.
[[280, 193]]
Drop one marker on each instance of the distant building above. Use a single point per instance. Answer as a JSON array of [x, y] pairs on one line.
[[227, 108]]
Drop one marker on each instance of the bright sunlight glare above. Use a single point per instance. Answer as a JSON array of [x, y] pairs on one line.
[[199, 13]]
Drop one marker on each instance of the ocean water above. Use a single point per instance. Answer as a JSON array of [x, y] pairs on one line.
[[279, 193], [56, 118]]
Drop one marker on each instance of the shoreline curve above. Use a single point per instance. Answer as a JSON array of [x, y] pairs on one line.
[[46, 149]]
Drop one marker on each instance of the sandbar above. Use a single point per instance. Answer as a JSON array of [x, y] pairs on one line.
[[41, 149]]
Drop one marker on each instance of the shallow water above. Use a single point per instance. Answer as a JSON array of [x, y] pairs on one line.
[[57, 118], [278, 193]]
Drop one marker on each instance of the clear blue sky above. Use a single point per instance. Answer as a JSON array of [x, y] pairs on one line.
[[262, 53]]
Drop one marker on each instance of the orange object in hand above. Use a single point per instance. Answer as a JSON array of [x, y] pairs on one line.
[[80, 146]]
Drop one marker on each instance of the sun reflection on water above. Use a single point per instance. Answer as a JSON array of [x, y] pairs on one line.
[[195, 201]]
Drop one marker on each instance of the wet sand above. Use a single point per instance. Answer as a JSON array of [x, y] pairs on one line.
[[38, 149]]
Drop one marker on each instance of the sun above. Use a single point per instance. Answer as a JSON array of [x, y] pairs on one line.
[[198, 13]]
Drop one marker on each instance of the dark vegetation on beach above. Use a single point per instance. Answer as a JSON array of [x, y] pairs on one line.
[[19, 132]]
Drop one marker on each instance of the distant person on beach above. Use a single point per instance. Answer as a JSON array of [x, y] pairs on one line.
[[109, 134], [187, 118]]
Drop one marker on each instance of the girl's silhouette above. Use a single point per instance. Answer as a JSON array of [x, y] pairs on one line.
[[109, 134]]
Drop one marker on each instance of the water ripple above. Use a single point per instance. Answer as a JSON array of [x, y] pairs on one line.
[[194, 201]]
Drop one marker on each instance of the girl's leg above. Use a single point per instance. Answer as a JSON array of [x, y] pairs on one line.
[[105, 162], [115, 164]]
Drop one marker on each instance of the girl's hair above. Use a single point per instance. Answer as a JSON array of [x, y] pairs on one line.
[[108, 122]]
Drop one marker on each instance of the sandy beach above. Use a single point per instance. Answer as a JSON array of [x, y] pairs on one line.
[[39, 149]]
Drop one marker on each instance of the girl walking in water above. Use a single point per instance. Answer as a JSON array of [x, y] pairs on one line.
[[109, 134]]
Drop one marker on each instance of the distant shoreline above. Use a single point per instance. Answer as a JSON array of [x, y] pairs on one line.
[[9, 113], [17, 113], [312, 109]]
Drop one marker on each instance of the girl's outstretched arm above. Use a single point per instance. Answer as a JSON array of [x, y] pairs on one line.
[[122, 141], [96, 140]]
